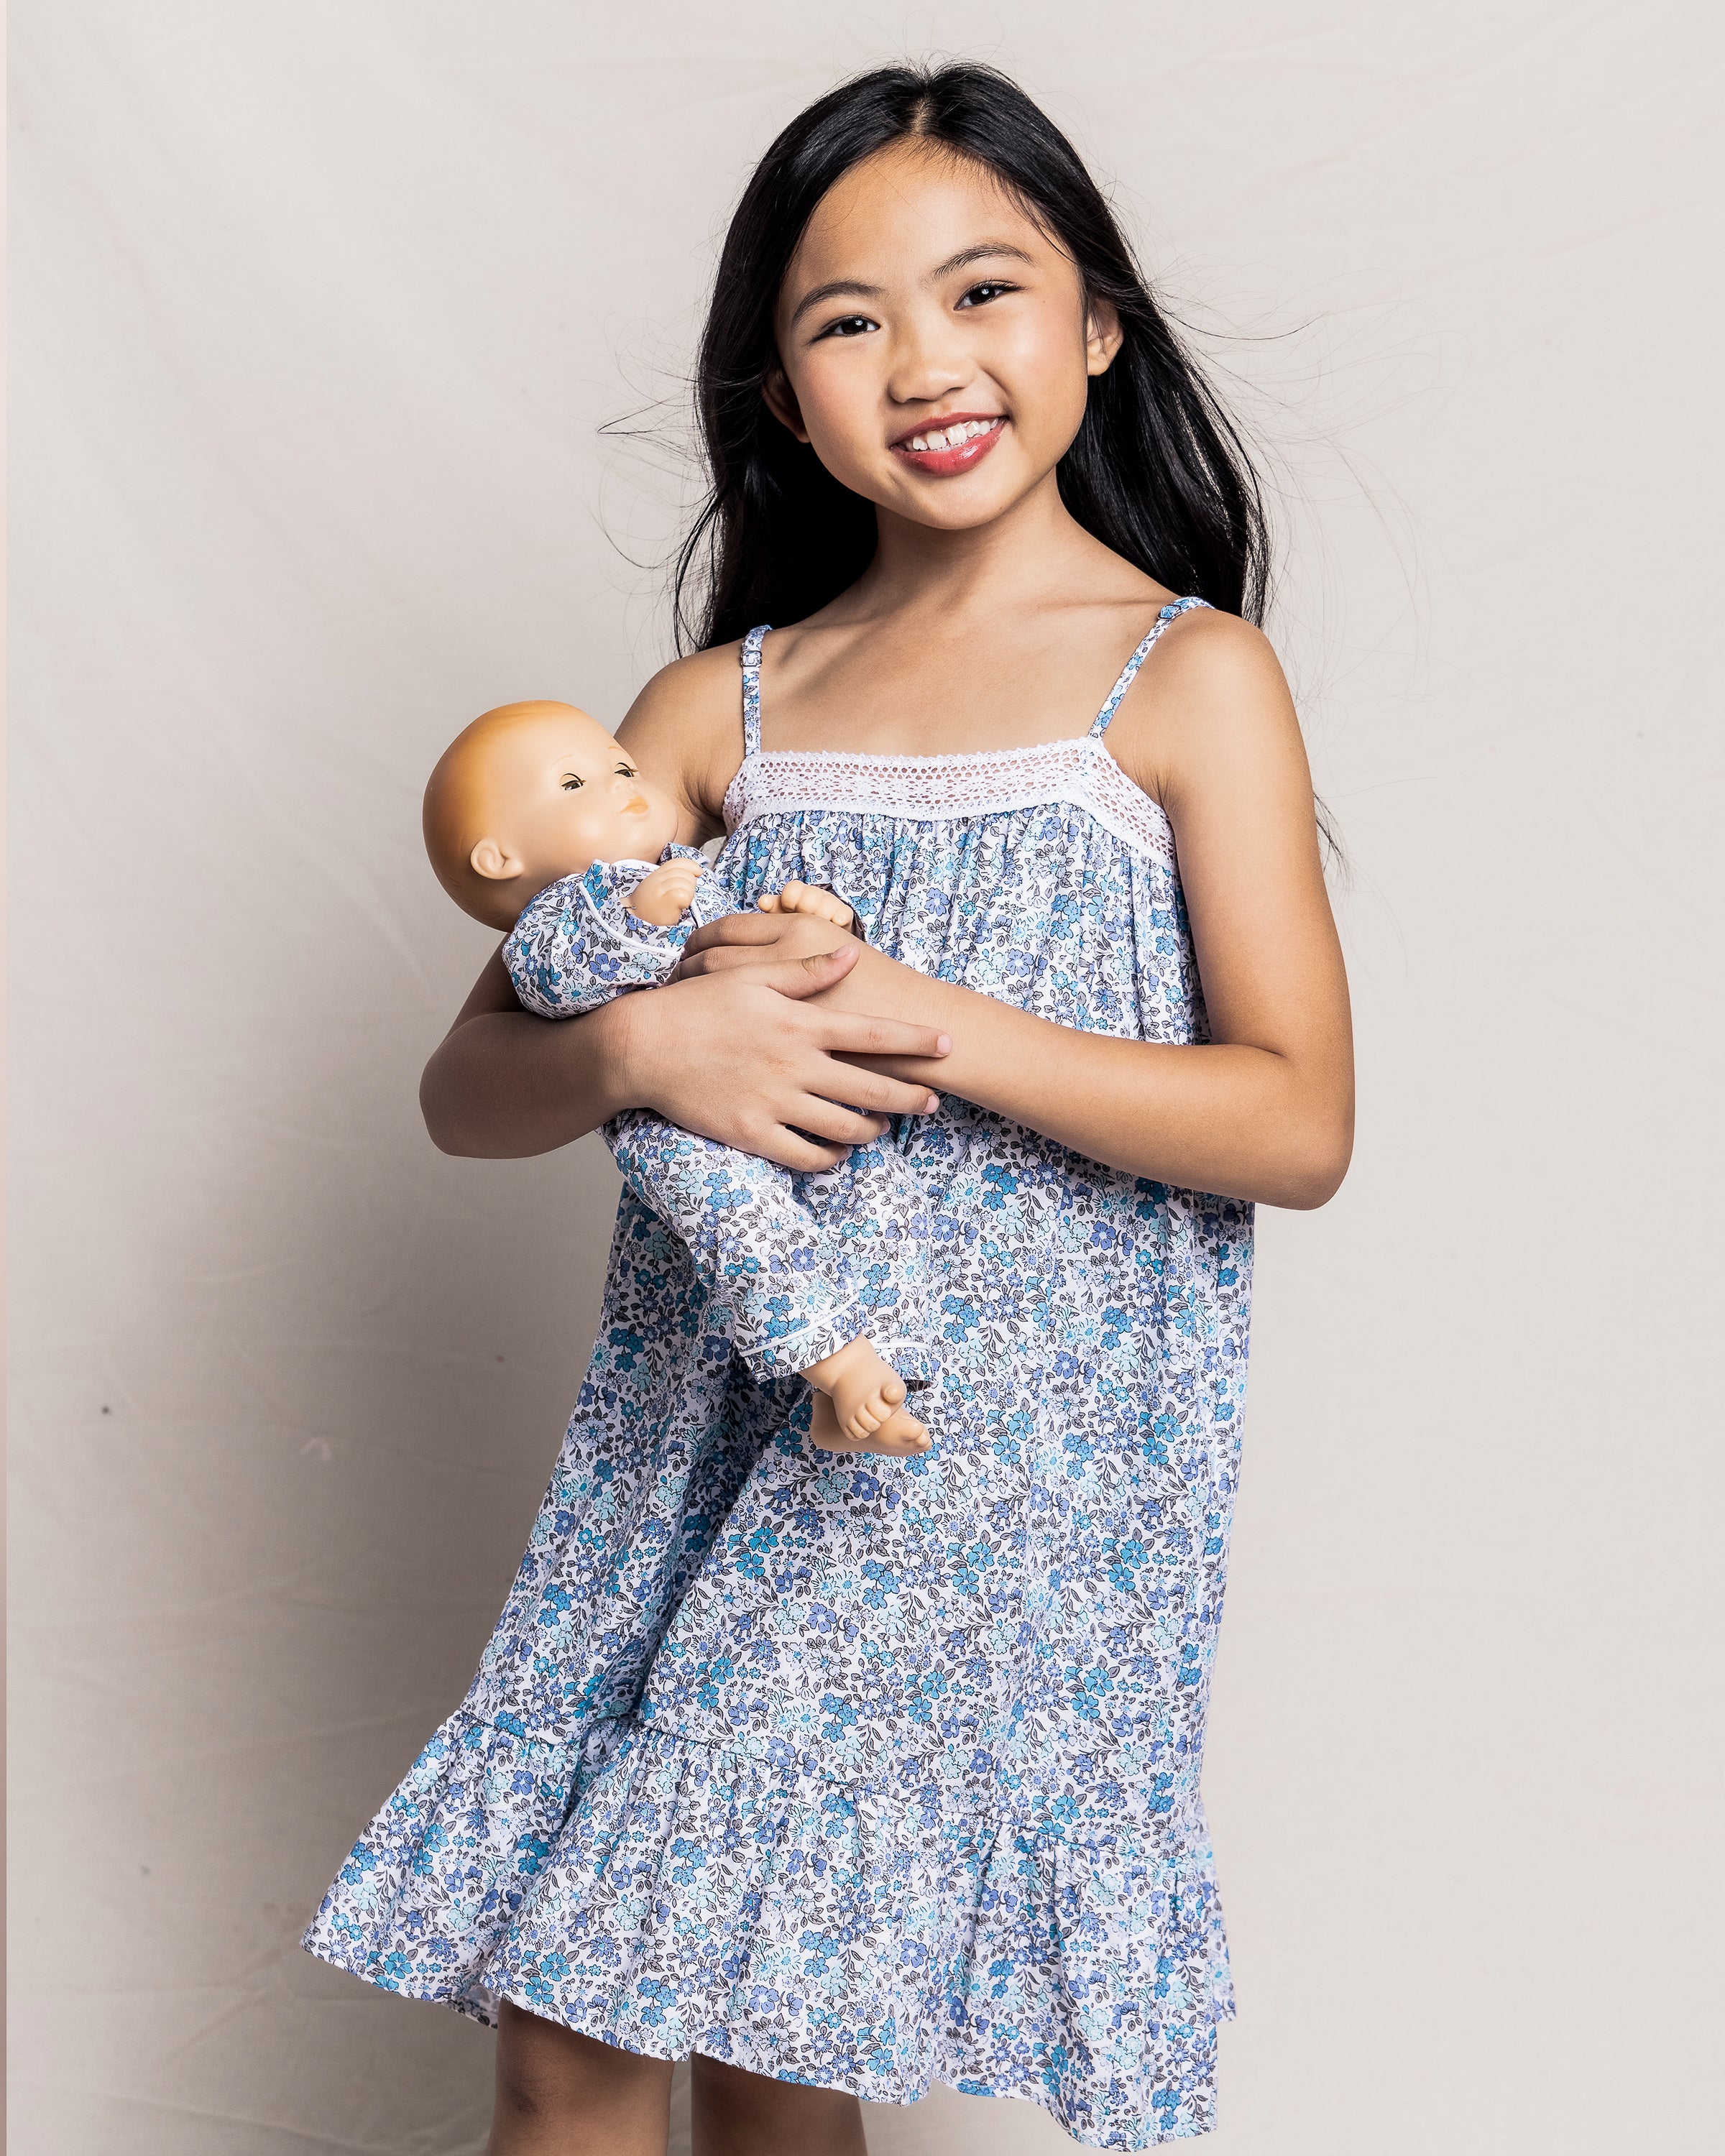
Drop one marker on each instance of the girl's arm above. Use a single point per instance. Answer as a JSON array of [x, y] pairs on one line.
[[750, 1061], [1265, 1110]]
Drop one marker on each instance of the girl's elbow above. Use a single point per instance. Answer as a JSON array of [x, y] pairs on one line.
[[1321, 1167], [438, 1129], [439, 1105]]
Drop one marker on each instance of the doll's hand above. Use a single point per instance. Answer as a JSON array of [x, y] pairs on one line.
[[804, 898], [665, 897]]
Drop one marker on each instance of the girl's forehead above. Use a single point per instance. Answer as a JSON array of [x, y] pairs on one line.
[[898, 214]]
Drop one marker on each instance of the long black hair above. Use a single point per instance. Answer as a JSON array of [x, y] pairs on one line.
[[1156, 471]]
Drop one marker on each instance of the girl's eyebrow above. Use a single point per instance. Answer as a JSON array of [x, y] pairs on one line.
[[840, 287], [967, 255], [848, 287]]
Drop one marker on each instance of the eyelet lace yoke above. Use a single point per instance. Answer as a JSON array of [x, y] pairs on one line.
[[937, 788]]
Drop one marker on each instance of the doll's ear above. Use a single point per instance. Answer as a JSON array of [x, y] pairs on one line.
[[781, 401], [493, 862]]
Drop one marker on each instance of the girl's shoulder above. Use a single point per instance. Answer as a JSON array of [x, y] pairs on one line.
[[1210, 698], [687, 728]]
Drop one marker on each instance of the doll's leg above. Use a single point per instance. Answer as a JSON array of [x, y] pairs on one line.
[[879, 1204], [774, 1247]]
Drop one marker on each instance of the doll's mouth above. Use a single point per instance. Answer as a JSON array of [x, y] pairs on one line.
[[959, 443]]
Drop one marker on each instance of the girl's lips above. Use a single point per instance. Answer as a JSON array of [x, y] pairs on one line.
[[946, 463]]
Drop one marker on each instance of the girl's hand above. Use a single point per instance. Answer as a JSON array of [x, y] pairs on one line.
[[739, 1054], [745, 1058], [765, 939]]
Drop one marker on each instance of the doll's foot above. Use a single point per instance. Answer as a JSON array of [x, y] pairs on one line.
[[859, 1405], [901, 1436]]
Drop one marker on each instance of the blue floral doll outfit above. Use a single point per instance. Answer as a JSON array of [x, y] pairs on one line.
[[869, 1773], [804, 1263]]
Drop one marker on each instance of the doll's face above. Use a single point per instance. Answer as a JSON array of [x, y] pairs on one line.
[[532, 792], [922, 299]]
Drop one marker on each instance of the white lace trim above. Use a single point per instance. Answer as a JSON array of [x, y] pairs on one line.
[[939, 788]]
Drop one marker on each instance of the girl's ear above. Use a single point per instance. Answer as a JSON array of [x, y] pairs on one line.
[[493, 862], [781, 403], [1103, 336]]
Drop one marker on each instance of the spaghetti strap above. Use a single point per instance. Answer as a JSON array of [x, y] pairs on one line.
[[1129, 671], [750, 656]]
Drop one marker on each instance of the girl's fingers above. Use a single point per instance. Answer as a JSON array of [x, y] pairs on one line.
[[791, 1150], [878, 1096], [849, 1033], [833, 1120], [777, 970], [744, 930]]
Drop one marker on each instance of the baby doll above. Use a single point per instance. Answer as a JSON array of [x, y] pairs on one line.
[[537, 821]]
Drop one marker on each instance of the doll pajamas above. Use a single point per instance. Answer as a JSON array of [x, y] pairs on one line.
[[804, 1263]]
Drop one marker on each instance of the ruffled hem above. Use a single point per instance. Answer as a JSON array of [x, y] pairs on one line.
[[667, 1897]]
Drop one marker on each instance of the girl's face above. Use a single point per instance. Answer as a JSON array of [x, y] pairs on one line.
[[935, 344]]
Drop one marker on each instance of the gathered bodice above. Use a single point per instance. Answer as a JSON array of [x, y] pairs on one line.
[[1042, 876]]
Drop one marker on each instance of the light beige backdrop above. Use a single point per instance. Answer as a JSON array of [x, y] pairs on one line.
[[321, 305]]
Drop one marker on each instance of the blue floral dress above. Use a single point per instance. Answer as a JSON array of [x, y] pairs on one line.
[[868, 1772]]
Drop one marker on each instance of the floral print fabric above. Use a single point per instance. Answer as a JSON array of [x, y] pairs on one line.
[[577, 945], [804, 1264], [869, 1773]]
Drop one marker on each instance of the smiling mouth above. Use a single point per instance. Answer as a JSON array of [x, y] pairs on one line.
[[956, 445]]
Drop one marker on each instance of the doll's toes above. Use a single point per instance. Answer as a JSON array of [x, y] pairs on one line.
[[902, 1435]]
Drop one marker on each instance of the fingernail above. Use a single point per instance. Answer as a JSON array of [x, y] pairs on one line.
[[943, 1046], [931, 1104]]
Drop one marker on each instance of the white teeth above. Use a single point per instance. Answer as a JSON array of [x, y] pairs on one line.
[[950, 438]]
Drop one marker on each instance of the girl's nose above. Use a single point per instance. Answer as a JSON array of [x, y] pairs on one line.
[[927, 363]]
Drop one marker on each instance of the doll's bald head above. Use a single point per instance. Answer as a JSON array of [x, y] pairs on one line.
[[530, 793]]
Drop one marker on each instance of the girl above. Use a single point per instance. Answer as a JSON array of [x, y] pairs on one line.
[[847, 1776]]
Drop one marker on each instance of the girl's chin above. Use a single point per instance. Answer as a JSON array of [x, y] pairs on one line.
[[958, 504]]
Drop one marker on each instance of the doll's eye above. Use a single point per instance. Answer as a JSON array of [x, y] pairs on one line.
[[571, 781], [627, 771]]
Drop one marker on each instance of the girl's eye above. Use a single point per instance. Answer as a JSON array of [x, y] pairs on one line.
[[572, 781], [982, 294], [847, 326]]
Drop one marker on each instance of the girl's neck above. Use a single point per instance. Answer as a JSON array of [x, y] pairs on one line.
[[919, 569]]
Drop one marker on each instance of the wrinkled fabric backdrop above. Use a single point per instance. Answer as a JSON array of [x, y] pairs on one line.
[[321, 308]]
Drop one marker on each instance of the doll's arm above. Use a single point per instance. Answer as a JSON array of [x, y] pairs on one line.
[[663, 897], [580, 943]]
